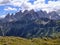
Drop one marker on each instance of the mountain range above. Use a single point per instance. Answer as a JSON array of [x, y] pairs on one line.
[[30, 24]]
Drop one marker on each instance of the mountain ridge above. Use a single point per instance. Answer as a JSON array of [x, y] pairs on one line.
[[30, 24], [40, 14]]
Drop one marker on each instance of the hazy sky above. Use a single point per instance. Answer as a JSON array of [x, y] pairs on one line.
[[12, 6]]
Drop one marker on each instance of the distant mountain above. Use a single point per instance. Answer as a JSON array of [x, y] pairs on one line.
[[31, 24], [58, 11], [54, 15], [33, 15]]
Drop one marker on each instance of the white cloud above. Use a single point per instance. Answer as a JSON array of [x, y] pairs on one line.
[[18, 2], [51, 6], [4, 1], [24, 5], [2, 16], [39, 4], [10, 9]]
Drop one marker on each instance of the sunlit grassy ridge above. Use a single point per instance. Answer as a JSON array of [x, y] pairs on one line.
[[23, 41]]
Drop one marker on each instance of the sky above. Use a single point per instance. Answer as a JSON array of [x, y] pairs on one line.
[[13, 6]]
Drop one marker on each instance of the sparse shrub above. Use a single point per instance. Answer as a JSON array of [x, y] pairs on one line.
[[4, 44], [45, 44]]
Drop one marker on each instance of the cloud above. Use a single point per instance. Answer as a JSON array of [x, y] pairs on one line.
[[10, 9], [4, 1], [26, 5], [18, 3], [2, 16], [51, 6]]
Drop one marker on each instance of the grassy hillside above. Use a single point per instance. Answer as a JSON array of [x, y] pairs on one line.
[[23, 41]]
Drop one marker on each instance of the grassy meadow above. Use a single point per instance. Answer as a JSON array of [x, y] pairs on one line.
[[22, 41]]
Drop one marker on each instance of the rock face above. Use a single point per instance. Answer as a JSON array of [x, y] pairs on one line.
[[32, 15], [54, 15], [31, 24]]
